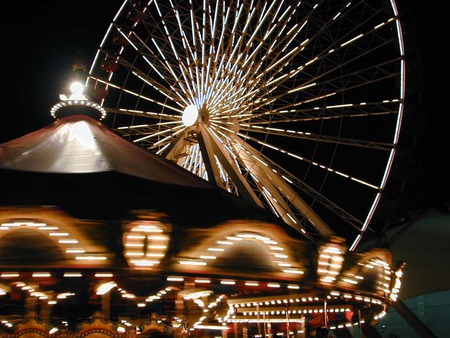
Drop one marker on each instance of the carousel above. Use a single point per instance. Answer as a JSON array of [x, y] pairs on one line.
[[99, 237]]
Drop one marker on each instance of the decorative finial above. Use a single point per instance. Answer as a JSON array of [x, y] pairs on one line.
[[77, 102]]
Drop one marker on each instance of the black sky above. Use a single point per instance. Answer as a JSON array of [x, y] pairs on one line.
[[41, 39]]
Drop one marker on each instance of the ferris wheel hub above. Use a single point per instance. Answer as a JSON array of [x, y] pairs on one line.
[[190, 115]]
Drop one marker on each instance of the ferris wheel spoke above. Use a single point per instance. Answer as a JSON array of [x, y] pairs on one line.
[[361, 77], [312, 91], [159, 116], [329, 112], [282, 38], [193, 161], [299, 185], [164, 141], [307, 160], [144, 130], [148, 135], [136, 95], [366, 77], [166, 73], [314, 137], [171, 92]]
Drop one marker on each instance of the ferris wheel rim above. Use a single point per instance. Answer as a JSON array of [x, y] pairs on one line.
[[248, 131]]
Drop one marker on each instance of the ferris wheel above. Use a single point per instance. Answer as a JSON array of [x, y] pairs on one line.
[[295, 106]]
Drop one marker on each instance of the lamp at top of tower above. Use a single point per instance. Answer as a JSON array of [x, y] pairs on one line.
[[77, 102]]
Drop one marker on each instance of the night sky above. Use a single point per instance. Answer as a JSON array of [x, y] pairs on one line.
[[41, 39]]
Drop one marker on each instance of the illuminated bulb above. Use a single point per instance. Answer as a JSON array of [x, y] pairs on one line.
[[77, 91], [76, 88]]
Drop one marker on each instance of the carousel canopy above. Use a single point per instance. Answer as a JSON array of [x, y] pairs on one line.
[[80, 144]]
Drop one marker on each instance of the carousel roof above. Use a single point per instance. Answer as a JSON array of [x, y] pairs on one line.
[[80, 144]]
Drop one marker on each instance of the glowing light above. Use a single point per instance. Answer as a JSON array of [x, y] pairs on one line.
[[190, 115], [105, 288], [77, 91]]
